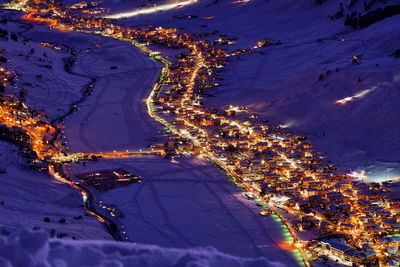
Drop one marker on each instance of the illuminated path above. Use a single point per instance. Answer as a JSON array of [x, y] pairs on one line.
[[149, 10]]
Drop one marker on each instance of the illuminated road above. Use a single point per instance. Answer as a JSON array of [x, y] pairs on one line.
[[150, 10], [88, 199]]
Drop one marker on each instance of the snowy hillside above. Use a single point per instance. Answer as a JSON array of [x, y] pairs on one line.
[[37, 249], [363, 13], [189, 203], [28, 197]]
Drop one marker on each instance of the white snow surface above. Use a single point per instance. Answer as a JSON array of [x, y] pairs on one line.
[[49, 90], [188, 203], [37, 249], [29, 196], [114, 117]]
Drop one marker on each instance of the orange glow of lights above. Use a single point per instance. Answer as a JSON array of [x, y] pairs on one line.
[[299, 245], [285, 245]]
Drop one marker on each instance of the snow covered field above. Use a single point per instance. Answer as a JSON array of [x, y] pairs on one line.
[[189, 203], [40, 69], [114, 117], [36, 249], [29, 196], [281, 83]]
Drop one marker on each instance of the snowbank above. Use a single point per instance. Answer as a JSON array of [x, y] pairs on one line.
[[28, 196], [188, 203], [37, 249]]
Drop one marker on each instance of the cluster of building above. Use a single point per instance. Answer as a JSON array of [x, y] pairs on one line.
[[108, 179], [282, 170], [14, 122], [5, 76], [29, 127]]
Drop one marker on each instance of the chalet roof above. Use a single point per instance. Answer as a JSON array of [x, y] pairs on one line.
[[392, 250], [344, 206], [311, 190], [395, 238], [367, 246], [317, 210], [354, 253], [335, 194], [366, 217], [339, 246], [360, 185], [364, 202], [369, 253], [390, 221], [348, 191], [385, 240], [262, 144], [325, 223], [348, 225], [392, 262], [382, 212], [307, 179]]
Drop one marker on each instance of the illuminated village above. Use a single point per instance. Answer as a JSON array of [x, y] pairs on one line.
[[327, 213]]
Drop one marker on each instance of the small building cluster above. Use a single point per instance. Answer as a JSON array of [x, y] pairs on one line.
[[107, 179]]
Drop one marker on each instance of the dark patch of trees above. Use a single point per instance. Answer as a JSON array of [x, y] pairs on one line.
[[356, 20], [319, 2], [68, 63], [3, 33], [14, 37], [396, 53]]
